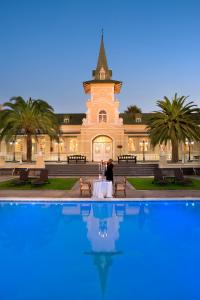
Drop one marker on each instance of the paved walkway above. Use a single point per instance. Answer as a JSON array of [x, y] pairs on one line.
[[74, 194]]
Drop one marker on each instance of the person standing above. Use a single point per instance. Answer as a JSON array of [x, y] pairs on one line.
[[102, 168], [109, 170]]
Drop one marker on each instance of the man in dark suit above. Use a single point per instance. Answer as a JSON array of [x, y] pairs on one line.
[[109, 170]]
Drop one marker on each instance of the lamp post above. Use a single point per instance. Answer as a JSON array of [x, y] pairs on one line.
[[188, 143], [58, 149], [13, 143], [143, 144], [59, 143]]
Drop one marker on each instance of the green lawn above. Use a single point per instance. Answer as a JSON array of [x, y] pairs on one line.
[[54, 184], [147, 184]]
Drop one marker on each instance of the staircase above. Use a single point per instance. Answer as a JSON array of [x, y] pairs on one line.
[[134, 169], [88, 169]]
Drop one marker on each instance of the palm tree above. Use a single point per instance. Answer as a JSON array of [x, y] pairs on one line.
[[176, 122], [29, 118], [133, 109]]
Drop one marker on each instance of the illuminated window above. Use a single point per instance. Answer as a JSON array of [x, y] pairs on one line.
[[102, 74], [66, 120], [144, 145], [138, 120], [131, 145], [73, 145], [102, 116]]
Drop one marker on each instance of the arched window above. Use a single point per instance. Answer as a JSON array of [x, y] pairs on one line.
[[102, 74], [102, 116], [66, 120]]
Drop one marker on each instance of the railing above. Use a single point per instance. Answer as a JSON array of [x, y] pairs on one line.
[[195, 156]]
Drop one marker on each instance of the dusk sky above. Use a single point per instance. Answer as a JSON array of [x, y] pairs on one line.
[[49, 47]]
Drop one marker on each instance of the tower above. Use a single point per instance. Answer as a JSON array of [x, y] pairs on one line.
[[102, 128]]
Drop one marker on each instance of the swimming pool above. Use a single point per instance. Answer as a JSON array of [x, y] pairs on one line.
[[113, 251]]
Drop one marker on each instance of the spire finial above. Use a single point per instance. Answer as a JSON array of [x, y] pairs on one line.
[[102, 33]]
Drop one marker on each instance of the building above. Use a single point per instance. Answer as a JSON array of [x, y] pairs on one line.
[[100, 133]]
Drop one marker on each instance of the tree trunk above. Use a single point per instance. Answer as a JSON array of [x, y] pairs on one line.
[[174, 151], [29, 148]]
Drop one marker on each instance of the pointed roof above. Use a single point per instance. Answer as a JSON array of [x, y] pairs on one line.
[[102, 74], [102, 60], [103, 260], [102, 64]]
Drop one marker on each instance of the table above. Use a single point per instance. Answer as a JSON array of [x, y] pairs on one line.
[[102, 189]]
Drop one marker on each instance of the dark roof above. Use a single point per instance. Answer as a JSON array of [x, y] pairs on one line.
[[102, 81], [130, 119], [74, 119], [117, 86]]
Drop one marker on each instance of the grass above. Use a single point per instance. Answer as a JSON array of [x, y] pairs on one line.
[[54, 184], [147, 184]]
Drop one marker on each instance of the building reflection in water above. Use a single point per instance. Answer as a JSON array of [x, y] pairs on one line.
[[102, 231], [103, 222]]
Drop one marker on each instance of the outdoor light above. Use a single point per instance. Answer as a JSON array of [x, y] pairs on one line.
[[188, 143], [142, 145], [13, 143]]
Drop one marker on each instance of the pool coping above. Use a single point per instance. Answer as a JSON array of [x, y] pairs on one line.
[[62, 200]]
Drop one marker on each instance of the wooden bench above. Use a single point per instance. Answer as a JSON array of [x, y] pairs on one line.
[[6, 171], [196, 157], [76, 158], [127, 158]]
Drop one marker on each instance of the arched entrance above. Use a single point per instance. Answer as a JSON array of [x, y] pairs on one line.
[[102, 148]]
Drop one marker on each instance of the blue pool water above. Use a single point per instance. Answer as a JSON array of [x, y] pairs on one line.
[[113, 251]]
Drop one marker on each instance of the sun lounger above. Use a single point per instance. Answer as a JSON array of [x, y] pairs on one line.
[[42, 179], [23, 178]]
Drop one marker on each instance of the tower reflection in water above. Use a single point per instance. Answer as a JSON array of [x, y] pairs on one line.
[[103, 225]]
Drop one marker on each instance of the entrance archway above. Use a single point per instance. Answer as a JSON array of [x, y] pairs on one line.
[[102, 148]]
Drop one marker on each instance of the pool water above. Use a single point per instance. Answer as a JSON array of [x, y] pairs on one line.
[[113, 251]]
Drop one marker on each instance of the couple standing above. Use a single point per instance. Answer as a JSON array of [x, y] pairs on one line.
[[107, 169]]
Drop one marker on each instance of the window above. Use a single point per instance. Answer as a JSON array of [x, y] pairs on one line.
[[102, 116], [131, 145], [138, 120], [73, 145], [102, 74], [66, 120]]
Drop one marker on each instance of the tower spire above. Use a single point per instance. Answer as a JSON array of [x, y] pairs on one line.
[[102, 72]]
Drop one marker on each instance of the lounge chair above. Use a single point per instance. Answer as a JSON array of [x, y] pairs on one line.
[[23, 178], [158, 177], [197, 171], [120, 186], [85, 186], [42, 179], [179, 178]]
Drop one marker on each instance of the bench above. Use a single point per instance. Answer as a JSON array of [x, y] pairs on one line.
[[6, 171], [127, 158], [196, 157], [76, 158]]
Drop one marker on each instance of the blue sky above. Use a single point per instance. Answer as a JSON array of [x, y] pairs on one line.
[[49, 47]]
